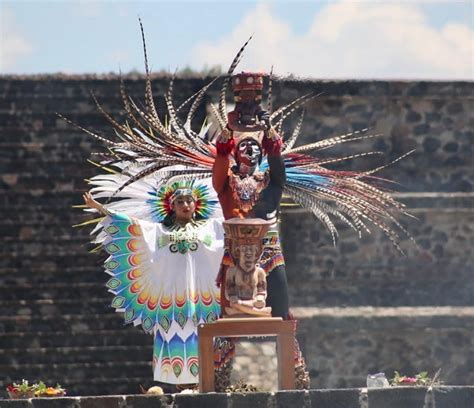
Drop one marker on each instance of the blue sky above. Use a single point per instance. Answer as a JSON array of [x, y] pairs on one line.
[[325, 39]]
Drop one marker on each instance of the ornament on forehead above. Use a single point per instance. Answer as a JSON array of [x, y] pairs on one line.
[[161, 200], [182, 192]]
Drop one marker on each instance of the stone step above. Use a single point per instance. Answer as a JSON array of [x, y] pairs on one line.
[[41, 139], [74, 355], [72, 323], [21, 238], [79, 256], [80, 371], [105, 87], [53, 215], [347, 292], [56, 291], [52, 274], [120, 336], [34, 166], [46, 198], [57, 308], [351, 342], [50, 121]]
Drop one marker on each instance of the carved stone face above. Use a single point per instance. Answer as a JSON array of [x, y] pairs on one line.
[[248, 152], [248, 255], [247, 105]]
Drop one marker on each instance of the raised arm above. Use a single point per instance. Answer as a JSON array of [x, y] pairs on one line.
[[272, 146], [220, 169]]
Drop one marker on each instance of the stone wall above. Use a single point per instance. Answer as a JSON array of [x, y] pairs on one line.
[[56, 323], [436, 271], [399, 397]]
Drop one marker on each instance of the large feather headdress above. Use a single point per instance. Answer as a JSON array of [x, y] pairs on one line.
[[147, 145]]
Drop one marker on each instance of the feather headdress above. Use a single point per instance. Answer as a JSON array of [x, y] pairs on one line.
[[145, 145]]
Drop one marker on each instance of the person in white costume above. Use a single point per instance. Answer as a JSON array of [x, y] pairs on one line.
[[163, 273]]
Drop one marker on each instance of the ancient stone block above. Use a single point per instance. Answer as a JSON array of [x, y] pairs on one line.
[[397, 397], [453, 397], [102, 402], [66, 402], [285, 399], [257, 400], [213, 400], [146, 401], [348, 398]]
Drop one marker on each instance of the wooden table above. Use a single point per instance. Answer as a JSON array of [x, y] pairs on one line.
[[247, 327]]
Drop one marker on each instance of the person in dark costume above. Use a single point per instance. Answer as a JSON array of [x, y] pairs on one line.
[[245, 191]]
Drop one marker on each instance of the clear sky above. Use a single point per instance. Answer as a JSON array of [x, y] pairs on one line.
[[407, 39]]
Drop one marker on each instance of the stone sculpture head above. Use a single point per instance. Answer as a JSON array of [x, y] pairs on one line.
[[247, 256], [245, 237], [247, 88]]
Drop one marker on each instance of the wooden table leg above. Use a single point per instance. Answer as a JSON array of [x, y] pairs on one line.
[[286, 364], [241, 327], [206, 363]]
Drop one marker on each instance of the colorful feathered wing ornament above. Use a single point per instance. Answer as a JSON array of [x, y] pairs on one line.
[[162, 275]]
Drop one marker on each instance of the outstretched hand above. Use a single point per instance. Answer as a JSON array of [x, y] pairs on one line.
[[91, 203]]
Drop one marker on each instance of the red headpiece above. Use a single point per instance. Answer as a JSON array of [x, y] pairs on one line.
[[247, 81]]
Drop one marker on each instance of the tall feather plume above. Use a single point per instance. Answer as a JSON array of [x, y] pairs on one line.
[[270, 92], [197, 101], [94, 135], [294, 136], [128, 109], [174, 120], [150, 104], [186, 135], [222, 95], [366, 173], [114, 123], [327, 143], [293, 104], [344, 158], [215, 113]]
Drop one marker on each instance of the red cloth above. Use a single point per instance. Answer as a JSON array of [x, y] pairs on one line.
[[225, 148], [272, 147]]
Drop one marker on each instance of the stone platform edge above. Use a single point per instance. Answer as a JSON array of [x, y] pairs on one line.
[[394, 397]]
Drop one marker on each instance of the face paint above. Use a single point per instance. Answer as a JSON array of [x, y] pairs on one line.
[[248, 152]]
